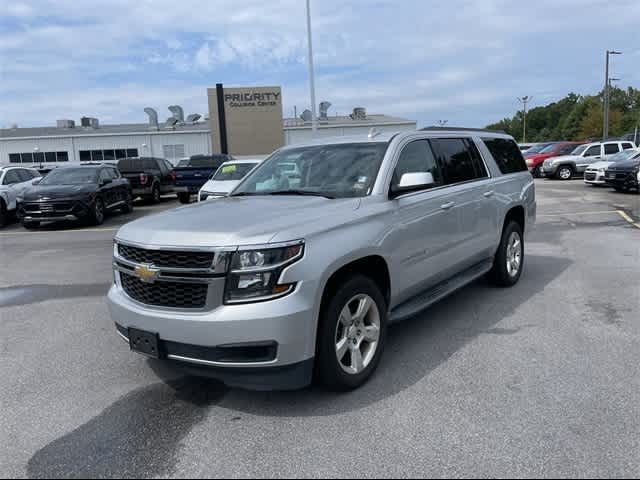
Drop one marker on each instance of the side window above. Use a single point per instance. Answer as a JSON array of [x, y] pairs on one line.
[[24, 175], [627, 146], [592, 151], [506, 154], [457, 160], [417, 157], [611, 148], [115, 174], [567, 149], [104, 175], [162, 166], [11, 178]]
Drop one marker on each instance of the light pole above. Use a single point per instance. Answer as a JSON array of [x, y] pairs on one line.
[[605, 127], [312, 82], [525, 100]]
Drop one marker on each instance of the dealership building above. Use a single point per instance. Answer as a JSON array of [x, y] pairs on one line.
[[243, 121]]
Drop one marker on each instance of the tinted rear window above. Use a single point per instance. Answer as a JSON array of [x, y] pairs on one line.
[[506, 154], [130, 165]]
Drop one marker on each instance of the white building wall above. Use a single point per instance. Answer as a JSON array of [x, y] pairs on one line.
[[148, 144]]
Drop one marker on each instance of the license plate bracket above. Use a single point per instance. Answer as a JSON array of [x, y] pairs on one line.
[[145, 343]]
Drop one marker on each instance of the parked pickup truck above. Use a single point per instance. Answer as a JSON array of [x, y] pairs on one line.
[[296, 278], [150, 177], [192, 175]]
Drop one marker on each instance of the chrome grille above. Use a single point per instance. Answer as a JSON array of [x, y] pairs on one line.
[[590, 176], [167, 259], [48, 207], [165, 294]]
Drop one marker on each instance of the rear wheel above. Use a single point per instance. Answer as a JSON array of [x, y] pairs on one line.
[[352, 334], [155, 193], [3, 214], [128, 204], [509, 260], [537, 172], [184, 198], [565, 172]]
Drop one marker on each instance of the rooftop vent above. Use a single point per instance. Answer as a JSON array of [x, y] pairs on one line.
[[153, 117], [307, 116], [324, 108], [193, 118], [171, 123], [65, 123], [178, 113], [359, 113], [89, 122]]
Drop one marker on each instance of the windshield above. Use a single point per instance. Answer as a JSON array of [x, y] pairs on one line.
[[233, 171], [550, 148], [71, 176], [537, 148], [183, 163], [341, 170], [624, 155], [579, 150]]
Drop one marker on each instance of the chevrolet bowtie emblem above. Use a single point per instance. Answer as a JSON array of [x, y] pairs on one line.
[[147, 273]]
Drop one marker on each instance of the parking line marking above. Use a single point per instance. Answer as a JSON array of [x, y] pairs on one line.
[[576, 213], [88, 230], [630, 220]]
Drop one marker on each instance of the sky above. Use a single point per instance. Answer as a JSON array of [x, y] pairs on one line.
[[462, 61]]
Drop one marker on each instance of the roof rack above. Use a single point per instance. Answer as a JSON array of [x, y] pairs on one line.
[[461, 129]]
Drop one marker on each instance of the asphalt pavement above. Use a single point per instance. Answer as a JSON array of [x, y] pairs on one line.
[[541, 380]]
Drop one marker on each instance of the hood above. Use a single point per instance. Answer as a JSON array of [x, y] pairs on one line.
[[598, 165], [564, 158], [51, 192], [232, 221], [627, 164], [217, 186]]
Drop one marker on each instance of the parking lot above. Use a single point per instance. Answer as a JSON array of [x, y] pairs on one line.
[[539, 380]]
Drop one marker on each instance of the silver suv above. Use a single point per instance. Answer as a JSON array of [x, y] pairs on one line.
[[299, 272]]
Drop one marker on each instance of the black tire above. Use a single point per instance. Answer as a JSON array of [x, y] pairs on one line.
[[155, 194], [128, 204], [537, 172], [500, 274], [620, 189], [98, 212], [329, 371], [3, 214], [184, 198], [30, 225], [564, 172]]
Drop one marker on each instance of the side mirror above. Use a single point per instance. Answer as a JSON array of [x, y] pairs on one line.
[[106, 182], [411, 182]]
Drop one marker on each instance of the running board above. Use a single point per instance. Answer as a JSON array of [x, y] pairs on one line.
[[427, 298]]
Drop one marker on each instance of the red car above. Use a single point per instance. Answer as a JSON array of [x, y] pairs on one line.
[[556, 149]]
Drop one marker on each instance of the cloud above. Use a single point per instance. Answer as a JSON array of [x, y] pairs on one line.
[[465, 60]]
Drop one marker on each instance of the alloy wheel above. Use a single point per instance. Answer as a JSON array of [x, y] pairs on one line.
[[514, 254], [357, 334]]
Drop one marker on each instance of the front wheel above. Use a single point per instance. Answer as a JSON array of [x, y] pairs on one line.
[[3, 214], [620, 189], [509, 260], [537, 172], [128, 204], [565, 172], [184, 198], [352, 334], [97, 214]]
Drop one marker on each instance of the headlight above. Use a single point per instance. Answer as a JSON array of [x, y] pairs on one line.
[[20, 199], [254, 274], [601, 170]]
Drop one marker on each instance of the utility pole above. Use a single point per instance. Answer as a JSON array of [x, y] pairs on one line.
[[525, 100], [605, 127], [312, 82]]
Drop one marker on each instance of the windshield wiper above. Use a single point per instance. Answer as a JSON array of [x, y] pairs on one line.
[[301, 192], [244, 194]]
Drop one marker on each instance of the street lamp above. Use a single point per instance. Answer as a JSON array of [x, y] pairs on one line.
[[525, 100], [605, 127], [312, 82]]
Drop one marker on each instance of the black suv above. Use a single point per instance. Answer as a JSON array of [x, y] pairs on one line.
[[74, 193], [149, 177]]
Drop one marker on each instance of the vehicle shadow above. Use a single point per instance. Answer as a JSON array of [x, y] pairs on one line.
[[415, 347]]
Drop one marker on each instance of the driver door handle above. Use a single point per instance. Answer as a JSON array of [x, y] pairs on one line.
[[489, 193], [448, 206]]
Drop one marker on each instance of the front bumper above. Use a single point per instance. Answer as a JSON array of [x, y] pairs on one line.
[[620, 179], [69, 210], [593, 177], [194, 339], [548, 170]]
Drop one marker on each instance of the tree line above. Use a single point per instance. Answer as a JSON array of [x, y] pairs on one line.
[[577, 117]]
